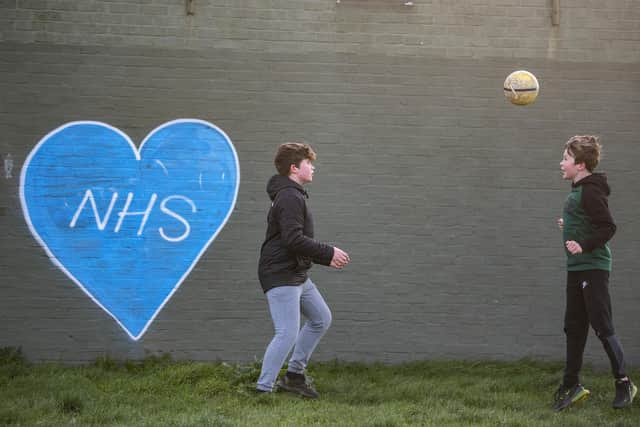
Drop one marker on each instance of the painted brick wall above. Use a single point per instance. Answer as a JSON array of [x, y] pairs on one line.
[[444, 194]]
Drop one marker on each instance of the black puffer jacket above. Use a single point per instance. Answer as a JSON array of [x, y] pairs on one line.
[[289, 249]]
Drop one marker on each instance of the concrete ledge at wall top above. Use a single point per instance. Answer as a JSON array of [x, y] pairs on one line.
[[403, 2]]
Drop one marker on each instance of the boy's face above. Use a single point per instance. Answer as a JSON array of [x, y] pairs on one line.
[[304, 173], [569, 167]]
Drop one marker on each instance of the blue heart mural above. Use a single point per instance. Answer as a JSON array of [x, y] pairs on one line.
[[128, 225]]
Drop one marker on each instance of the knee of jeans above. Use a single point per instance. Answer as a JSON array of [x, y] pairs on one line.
[[324, 322], [287, 336]]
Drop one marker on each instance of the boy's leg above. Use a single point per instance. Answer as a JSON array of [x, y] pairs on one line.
[[598, 304], [284, 305], [318, 316], [576, 328]]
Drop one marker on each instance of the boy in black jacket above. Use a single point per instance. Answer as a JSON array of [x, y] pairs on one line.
[[587, 226], [286, 255]]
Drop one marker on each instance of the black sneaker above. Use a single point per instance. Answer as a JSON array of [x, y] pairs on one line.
[[299, 384], [567, 396], [625, 392]]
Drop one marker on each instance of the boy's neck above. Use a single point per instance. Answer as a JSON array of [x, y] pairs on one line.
[[581, 175], [296, 180]]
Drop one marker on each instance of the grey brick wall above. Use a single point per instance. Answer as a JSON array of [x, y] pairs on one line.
[[443, 193], [591, 31]]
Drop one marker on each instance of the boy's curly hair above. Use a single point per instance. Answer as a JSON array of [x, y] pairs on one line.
[[584, 149], [292, 153]]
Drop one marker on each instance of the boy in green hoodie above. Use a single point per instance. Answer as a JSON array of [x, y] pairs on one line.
[[587, 226]]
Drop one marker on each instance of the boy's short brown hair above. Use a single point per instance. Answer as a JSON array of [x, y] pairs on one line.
[[584, 149], [292, 153]]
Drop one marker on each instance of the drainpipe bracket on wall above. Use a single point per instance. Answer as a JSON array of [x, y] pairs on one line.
[[555, 12]]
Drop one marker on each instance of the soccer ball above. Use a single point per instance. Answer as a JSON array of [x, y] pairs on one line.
[[521, 87]]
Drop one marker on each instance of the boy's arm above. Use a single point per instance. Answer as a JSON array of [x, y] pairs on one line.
[[594, 202], [291, 214]]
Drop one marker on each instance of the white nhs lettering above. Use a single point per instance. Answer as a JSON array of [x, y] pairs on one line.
[[102, 222]]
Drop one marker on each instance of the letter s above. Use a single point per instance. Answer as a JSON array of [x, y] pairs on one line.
[[171, 213]]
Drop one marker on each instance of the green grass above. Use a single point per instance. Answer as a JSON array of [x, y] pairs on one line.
[[162, 392]]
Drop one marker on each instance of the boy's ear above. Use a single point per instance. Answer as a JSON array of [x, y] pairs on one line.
[[291, 168], [581, 166]]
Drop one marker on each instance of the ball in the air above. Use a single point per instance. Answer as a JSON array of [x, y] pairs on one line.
[[521, 87]]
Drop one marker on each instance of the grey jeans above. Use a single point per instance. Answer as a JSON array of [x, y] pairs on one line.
[[285, 305]]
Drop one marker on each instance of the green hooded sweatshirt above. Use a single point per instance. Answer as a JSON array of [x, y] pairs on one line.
[[587, 220]]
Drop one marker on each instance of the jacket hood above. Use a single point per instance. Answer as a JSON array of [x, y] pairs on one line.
[[598, 179], [278, 182]]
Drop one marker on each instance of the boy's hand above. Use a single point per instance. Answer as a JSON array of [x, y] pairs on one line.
[[560, 223], [340, 258], [573, 247]]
